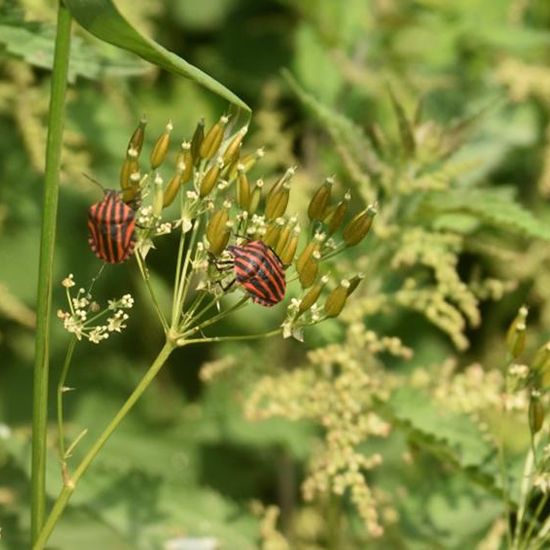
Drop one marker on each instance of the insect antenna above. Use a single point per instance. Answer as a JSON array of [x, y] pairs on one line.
[[94, 181]]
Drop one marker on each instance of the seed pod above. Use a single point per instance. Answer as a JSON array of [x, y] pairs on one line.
[[354, 282], [320, 201], [356, 230], [210, 178], [284, 237], [160, 149], [129, 194], [217, 231], [250, 159], [337, 299], [280, 183], [312, 295], [289, 251], [232, 150], [541, 361], [243, 189], [129, 166], [196, 140], [308, 273], [158, 197], [536, 413], [336, 215], [172, 189], [136, 141], [515, 337], [273, 231], [306, 254], [276, 203], [184, 162], [256, 196], [213, 139]]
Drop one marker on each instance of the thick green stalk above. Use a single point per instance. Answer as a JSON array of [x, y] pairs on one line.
[[81, 469], [47, 241]]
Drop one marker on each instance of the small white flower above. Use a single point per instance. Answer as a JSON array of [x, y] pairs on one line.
[[192, 195], [68, 281], [127, 301]]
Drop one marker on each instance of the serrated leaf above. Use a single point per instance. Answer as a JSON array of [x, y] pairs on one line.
[[495, 207], [353, 144], [34, 42], [102, 19]]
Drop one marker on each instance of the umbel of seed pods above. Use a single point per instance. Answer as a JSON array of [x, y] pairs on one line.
[[249, 236]]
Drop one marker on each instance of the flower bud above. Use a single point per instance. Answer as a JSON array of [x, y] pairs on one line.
[[196, 141], [210, 178], [515, 337], [336, 215], [276, 203], [218, 232], [308, 272], [312, 295], [356, 230], [213, 139], [160, 149], [136, 141], [337, 299], [256, 196], [232, 150], [158, 197], [243, 189], [536, 413], [320, 201]]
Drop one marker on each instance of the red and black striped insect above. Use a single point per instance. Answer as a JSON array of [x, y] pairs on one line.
[[112, 225], [259, 271]]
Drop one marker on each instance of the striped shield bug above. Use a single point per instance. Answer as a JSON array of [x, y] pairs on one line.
[[112, 225], [259, 271]]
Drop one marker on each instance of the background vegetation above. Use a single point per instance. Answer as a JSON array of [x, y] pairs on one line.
[[440, 111]]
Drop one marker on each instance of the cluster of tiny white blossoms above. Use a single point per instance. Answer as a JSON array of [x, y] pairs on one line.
[[86, 319]]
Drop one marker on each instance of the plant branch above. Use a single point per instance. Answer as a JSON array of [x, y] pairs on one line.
[[60, 391], [54, 144]]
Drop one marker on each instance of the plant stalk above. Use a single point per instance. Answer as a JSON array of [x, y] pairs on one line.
[[72, 481], [56, 118]]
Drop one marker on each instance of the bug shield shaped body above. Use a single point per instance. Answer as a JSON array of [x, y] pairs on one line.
[[260, 272], [111, 225]]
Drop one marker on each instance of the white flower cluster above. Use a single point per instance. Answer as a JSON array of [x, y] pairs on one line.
[[86, 319]]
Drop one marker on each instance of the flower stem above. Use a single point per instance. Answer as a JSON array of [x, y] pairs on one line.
[[56, 118], [60, 391], [206, 340], [72, 481]]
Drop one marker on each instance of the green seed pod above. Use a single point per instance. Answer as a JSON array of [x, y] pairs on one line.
[[354, 282], [284, 238], [250, 159], [276, 203], [312, 295], [271, 236], [172, 189], [158, 197], [281, 183], [217, 231], [515, 337], [320, 201], [337, 299], [160, 149], [184, 162], [136, 141], [356, 230], [210, 179], [306, 254], [129, 194], [256, 196], [536, 413], [196, 141], [243, 190], [541, 361], [129, 166], [289, 251], [232, 150], [336, 215], [308, 273], [213, 139]]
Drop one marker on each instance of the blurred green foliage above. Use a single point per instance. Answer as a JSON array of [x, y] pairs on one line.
[[187, 463]]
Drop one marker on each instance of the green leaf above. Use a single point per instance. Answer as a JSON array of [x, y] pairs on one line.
[[34, 42], [406, 131], [495, 207], [102, 19]]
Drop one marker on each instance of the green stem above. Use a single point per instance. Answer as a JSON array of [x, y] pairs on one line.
[[72, 481], [145, 276], [533, 520], [60, 391], [56, 118], [232, 338]]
